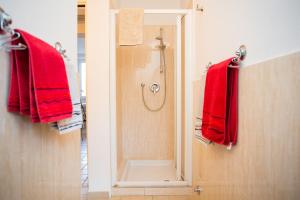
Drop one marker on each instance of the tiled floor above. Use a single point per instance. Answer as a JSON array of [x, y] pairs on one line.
[[84, 167]]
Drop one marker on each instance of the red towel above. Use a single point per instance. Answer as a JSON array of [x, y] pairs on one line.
[[39, 85], [220, 117], [13, 98]]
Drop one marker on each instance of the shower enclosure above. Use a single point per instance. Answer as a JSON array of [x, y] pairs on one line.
[[150, 103]]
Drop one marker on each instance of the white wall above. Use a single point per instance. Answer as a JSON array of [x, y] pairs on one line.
[[268, 28], [56, 23], [97, 60]]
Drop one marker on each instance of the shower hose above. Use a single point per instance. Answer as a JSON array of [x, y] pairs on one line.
[[165, 86]]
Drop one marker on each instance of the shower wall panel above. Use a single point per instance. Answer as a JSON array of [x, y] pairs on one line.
[[142, 134]]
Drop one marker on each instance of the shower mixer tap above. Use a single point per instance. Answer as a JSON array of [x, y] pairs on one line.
[[154, 87]]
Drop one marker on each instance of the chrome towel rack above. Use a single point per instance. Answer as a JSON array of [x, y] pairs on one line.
[[11, 35], [200, 138], [198, 132], [240, 55]]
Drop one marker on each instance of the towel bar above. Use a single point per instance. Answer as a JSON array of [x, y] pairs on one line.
[[198, 134], [200, 138], [240, 53]]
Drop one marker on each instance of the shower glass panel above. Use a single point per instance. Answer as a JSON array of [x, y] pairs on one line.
[[146, 139], [148, 148]]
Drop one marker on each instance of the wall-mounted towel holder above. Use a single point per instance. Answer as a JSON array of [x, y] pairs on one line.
[[198, 132], [5, 29], [60, 49], [5, 21], [240, 55], [200, 138]]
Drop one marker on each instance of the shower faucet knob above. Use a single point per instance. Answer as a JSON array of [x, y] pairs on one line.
[[154, 87]]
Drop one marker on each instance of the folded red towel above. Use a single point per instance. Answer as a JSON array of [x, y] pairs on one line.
[[13, 97], [220, 117], [39, 85], [22, 66]]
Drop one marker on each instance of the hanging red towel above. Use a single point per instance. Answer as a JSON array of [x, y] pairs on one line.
[[220, 113], [13, 98], [39, 85]]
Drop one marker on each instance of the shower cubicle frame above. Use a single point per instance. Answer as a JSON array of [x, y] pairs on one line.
[[189, 62]]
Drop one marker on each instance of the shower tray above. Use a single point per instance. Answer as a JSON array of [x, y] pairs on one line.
[[150, 173]]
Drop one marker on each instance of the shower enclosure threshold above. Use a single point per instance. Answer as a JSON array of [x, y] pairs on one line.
[[145, 184], [150, 173]]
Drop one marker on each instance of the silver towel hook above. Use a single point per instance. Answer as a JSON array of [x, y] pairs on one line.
[[5, 22], [240, 54], [60, 49], [13, 36]]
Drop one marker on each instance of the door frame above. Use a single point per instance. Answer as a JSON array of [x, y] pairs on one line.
[[188, 92]]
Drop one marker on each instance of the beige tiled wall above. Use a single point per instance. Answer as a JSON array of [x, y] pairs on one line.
[[265, 162], [35, 161]]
